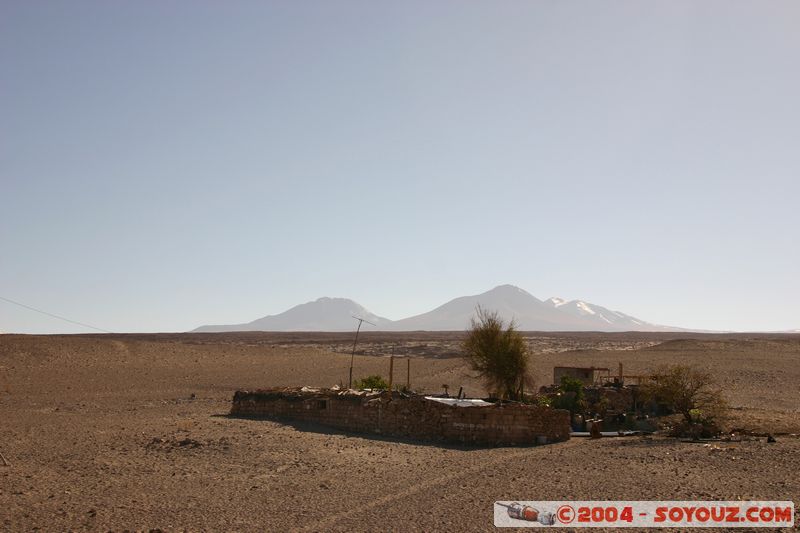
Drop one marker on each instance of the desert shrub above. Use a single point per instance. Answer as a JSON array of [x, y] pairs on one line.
[[570, 395], [375, 382], [543, 401], [570, 384], [600, 406], [498, 354], [691, 393]]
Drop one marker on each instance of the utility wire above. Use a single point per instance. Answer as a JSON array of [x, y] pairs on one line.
[[52, 315]]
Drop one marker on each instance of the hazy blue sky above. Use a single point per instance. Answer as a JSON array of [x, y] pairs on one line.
[[169, 164]]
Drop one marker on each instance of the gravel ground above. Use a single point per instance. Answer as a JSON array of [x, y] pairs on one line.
[[102, 433]]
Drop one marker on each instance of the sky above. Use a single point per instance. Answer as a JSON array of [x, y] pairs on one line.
[[165, 165]]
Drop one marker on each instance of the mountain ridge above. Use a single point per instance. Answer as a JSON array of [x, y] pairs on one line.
[[322, 314], [511, 303]]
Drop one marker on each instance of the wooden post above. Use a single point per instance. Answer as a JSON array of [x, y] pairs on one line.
[[408, 375], [620, 373], [391, 372]]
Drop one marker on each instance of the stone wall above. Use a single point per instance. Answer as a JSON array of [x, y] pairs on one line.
[[411, 417]]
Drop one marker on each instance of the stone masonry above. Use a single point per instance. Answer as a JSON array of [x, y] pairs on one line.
[[407, 416]]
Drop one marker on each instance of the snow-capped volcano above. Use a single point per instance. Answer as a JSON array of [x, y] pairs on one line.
[[601, 316], [510, 302], [556, 302]]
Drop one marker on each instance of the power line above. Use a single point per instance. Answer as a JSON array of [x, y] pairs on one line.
[[54, 316]]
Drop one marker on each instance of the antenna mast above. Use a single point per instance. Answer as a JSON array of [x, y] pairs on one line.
[[353, 355]]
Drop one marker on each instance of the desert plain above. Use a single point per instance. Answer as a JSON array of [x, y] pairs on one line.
[[130, 433]]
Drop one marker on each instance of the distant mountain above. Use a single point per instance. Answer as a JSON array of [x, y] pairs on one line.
[[601, 317], [528, 312], [509, 301], [323, 314]]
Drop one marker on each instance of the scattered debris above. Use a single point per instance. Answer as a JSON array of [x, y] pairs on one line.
[[610, 434], [5, 461], [163, 443]]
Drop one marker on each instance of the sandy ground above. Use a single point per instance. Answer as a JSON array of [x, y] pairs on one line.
[[102, 433]]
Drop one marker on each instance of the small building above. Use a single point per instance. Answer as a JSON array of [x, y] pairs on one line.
[[588, 375]]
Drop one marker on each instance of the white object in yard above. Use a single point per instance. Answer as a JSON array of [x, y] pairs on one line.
[[459, 402]]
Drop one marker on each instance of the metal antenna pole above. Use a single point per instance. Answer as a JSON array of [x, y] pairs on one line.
[[353, 354]]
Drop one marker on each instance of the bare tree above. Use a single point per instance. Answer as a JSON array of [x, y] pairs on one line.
[[497, 353], [690, 392]]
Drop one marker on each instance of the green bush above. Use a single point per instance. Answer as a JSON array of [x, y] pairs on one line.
[[543, 401], [570, 395], [570, 384], [375, 382], [498, 354]]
